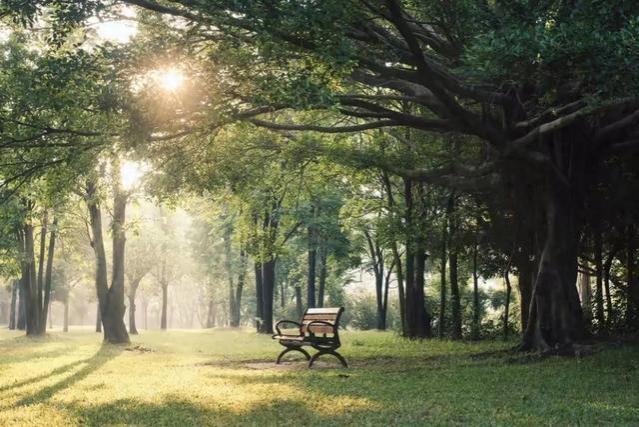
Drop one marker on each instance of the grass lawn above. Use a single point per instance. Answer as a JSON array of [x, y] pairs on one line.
[[220, 377]]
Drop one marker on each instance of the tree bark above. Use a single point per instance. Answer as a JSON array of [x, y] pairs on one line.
[[586, 296], [424, 319], [133, 289], [606, 274], [12, 308], [298, 301], [417, 319], [165, 303], [441, 330], [399, 275], [455, 301], [48, 275], [268, 286], [241, 277], [379, 293], [599, 298], [312, 261], [455, 298], [385, 301], [632, 312], [475, 333], [507, 303], [65, 321], [31, 289], [41, 257], [322, 277], [259, 295], [525, 280], [21, 323], [98, 320], [556, 318]]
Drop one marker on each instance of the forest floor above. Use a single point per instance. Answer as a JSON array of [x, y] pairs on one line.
[[223, 377]]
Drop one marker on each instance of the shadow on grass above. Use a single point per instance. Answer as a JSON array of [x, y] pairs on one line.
[[174, 410], [106, 353], [59, 370]]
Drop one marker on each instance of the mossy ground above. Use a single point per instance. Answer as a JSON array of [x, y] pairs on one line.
[[223, 377]]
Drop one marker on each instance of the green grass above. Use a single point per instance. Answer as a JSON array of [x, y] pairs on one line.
[[222, 378]]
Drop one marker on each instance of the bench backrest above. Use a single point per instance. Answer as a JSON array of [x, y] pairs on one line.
[[326, 314]]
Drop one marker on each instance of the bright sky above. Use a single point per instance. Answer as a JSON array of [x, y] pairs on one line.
[[118, 31]]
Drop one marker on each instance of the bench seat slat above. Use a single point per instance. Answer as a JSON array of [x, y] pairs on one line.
[[329, 317], [324, 310]]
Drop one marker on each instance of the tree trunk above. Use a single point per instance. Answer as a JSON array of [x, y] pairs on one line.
[[312, 261], [455, 301], [259, 295], [399, 271], [228, 266], [98, 320], [632, 312], [12, 308], [40, 280], [65, 321], [33, 311], [235, 315], [268, 287], [110, 300], [377, 261], [507, 302], [145, 307], [525, 280], [606, 274], [556, 318], [379, 294], [165, 302], [586, 296], [398, 261], [417, 320], [133, 288], [21, 323], [475, 333], [441, 330], [424, 317], [298, 301], [322, 277], [455, 298], [599, 299], [48, 275], [231, 293], [210, 315], [385, 300]]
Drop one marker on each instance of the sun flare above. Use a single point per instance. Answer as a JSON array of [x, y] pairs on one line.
[[171, 79], [131, 173]]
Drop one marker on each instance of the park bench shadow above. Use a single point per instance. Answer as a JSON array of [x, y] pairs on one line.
[[91, 364]]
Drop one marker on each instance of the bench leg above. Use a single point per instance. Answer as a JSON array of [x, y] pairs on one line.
[[288, 349], [333, 352]]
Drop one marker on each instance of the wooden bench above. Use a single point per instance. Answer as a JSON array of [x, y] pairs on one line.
[[319, 329]]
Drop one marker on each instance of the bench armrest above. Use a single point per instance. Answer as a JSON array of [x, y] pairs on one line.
[[277, 328], [321, 322]]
